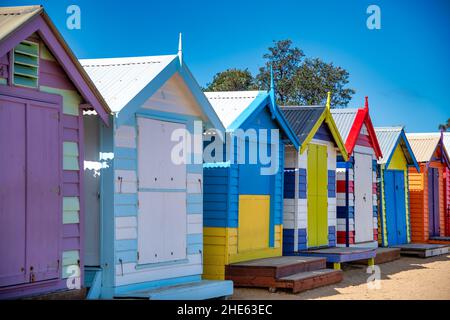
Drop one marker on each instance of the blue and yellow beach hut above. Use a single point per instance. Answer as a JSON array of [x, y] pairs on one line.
[[243, 200]]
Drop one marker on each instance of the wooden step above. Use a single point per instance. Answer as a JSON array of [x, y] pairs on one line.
[[439, 240], [276, 267], [423, 250], [297, 282], [309, 280], [197, 290]]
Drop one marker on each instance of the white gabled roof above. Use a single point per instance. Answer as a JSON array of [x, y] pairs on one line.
[[387, 139], [228, 105], [423, 144], [12, 18], [344, 119], [119, 80]]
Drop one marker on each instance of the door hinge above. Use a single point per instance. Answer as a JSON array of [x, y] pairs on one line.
[[137, 255]]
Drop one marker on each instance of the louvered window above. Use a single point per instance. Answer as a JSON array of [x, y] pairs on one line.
[[26, 64]]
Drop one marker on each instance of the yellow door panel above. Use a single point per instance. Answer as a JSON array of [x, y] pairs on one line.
[[317, 196], [254, 215]]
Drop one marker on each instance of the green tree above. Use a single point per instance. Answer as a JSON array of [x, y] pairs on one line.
[[303, 81], [232, 80], [445, 126], [315, 78], [285, 61]]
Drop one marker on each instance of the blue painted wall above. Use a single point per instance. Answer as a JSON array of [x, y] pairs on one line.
[[224, 183]]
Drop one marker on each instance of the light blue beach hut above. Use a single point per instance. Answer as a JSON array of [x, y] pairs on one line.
[[146, 209]]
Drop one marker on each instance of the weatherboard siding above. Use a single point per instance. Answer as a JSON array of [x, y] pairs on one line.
[[363, 145], [53, 79], [128, 272], [297, 204], [418, 195]]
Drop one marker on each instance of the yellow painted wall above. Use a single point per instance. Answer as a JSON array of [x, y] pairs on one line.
[[398, 160], [254, 219], [220, 248]]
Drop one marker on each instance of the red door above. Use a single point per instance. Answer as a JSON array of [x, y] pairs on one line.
[[30, 197]]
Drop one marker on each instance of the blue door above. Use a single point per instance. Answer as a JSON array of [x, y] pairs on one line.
[[394, 191], [400, 207]]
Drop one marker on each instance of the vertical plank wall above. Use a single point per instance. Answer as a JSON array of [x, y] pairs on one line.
[[398, 162]]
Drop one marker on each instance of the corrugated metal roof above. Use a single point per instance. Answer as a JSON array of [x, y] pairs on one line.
[[344, 119], [423, 145], [447, 142], [228, 105], [446, 138], [119, 80], [387, 139], [302, 119], [13, 17]]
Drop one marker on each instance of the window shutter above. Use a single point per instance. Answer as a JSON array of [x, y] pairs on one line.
[[26, 64]]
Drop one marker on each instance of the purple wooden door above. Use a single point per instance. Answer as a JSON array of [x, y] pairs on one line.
[[433, 202], [43, 191], [30, 199], [12, 192]]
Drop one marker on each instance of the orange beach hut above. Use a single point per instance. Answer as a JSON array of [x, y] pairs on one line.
[[426, 188]]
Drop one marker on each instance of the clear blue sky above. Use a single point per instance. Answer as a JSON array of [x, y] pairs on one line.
[[404, 68]]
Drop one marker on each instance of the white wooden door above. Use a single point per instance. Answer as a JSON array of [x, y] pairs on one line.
[[155, 166], [162, 217], [363, 197]]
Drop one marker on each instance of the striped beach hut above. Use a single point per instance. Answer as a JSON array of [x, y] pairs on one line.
[[310, 180], [43, 94], [150, 240], [394, 214], [427, 188], [243, 201], [357, 179]]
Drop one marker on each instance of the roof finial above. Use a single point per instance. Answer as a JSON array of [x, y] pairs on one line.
[[180, 50], [272, 87], [328, 100], [272, 93], [366, 104]]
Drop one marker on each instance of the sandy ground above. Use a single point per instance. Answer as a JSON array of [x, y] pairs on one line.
[[406, 278]]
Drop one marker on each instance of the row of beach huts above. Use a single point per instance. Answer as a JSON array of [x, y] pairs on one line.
[[92, 203]]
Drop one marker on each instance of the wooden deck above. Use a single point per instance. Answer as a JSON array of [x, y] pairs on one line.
[[422, 250], [383, 255], [338, 255], [293, 273], [439, 240]]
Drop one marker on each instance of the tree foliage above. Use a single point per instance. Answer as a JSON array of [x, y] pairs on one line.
[[285, 62], [299, 80], [232, 80], [445, 126]]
